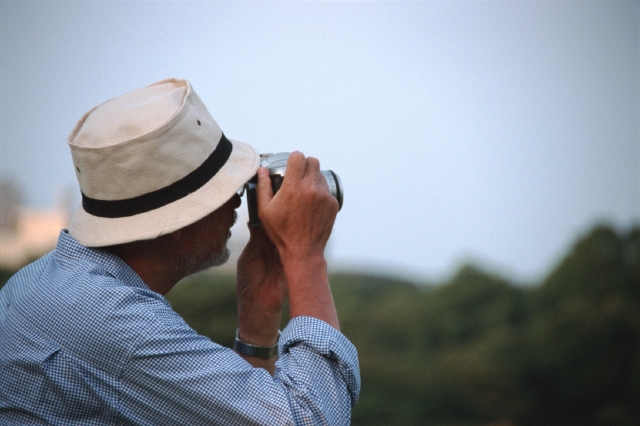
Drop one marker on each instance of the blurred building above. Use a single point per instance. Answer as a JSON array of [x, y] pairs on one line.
[[27, 233]]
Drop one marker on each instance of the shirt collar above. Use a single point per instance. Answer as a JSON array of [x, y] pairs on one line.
[[68, 249]]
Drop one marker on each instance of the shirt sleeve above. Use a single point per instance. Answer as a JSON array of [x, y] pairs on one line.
[[176, 376], [318, 367]]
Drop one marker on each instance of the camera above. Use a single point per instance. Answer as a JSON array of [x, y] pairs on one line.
[[277, 166]]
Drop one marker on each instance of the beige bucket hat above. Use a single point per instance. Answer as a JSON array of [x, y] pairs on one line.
[[151, 162]]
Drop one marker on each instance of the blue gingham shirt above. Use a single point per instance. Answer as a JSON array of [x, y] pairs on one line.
[[84, 341]]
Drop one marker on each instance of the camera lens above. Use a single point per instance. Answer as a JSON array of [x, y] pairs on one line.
[[334, 184]]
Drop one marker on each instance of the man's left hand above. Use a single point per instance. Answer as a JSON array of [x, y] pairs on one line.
[[262, 290]]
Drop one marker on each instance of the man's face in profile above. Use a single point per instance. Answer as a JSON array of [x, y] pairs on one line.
[[204, 243]]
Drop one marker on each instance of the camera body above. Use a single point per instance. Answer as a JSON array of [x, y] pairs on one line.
[[277, 166]]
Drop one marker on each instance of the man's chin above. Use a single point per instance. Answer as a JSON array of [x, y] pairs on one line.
[[193, 264], [221, 259]]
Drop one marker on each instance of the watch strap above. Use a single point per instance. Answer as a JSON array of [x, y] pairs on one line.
[[247, 349]]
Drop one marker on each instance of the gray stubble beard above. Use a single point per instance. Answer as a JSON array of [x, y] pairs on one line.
[[203, 258], [200, 260]]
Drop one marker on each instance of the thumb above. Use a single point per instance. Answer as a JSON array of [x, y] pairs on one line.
[[264, 191]]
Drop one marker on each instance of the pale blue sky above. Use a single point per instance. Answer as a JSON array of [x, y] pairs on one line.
[[489, 130]]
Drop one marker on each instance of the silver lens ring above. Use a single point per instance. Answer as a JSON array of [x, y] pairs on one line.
[[334, 184]]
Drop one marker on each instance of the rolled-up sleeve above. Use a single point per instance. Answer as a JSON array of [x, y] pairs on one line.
[[315, 356]]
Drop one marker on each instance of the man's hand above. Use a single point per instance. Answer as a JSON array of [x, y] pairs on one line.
[[262, 291], [300, 217], [298, 220]]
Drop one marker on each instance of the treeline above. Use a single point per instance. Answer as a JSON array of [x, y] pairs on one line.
[[479, 350]]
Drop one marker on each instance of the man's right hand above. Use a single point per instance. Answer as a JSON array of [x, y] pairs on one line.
[[298, 220]]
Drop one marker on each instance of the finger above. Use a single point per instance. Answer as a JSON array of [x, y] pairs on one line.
[[313, 168], [264, 191], [296, 165], [313, 173], [322, 180]]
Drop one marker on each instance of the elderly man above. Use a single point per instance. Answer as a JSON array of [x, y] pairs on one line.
[[86, 336]]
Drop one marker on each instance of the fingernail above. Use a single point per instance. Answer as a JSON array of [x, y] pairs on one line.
[[263, 172]]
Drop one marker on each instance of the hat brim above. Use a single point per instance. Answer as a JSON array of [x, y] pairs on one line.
[[94, 231]]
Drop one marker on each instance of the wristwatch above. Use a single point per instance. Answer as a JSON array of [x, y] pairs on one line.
[[247, 349]]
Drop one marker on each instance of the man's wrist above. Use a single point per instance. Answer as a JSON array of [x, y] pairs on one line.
[[258, 327], [295, 265], [309, 290]]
